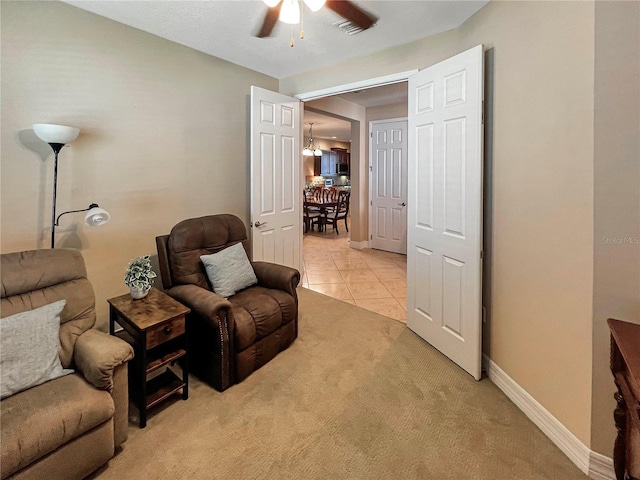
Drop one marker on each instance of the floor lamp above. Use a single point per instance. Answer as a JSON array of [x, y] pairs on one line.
[[57, 136]]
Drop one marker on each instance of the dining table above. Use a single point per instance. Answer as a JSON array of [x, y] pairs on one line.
[[322, 204]]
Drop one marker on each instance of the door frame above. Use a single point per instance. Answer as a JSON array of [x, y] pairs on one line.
[[370, 165], [350, 87]]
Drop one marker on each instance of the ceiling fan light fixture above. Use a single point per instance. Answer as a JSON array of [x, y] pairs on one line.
[[314, 5], [290, 12]]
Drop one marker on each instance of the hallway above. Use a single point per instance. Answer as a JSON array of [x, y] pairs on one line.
[[371, 279]]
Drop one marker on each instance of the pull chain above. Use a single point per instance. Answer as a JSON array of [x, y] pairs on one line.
[[301, 20]]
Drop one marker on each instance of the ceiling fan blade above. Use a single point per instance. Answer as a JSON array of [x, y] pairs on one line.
[[352, 12], [270, 19]]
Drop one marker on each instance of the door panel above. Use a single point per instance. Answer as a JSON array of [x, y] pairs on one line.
[[389, 185], [276, 219], [444, 266]]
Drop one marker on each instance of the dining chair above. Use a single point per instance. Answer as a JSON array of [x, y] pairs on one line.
[[330, 193], [310, 215], [341, 212], [317, 192]]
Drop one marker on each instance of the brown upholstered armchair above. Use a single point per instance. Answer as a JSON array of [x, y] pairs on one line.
[[229, 338], [68, 426]]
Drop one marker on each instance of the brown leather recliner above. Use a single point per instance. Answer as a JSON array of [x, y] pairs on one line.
[[69, 426], [228, 339]]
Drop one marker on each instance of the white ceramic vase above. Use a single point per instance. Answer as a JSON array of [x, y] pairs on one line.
[[138, 293]]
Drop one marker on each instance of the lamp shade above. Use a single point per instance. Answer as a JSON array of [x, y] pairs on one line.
[[96, 216], [290, 12], [314, 5], [56, 133], [307, 152], [317, 152]]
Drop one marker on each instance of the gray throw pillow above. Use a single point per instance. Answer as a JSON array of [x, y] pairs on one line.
[[229, 270], [29, 348]]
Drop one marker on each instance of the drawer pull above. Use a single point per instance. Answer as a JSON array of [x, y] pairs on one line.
[[167, 330]]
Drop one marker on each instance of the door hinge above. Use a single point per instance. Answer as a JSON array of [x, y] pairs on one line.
[[482, 112], [481, 254], [371, 237], [371, 202]]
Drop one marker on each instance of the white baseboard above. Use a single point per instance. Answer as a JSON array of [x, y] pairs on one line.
[[601, 467], [359, 245], [595, 465]]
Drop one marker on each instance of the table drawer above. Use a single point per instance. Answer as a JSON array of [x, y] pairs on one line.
[[166, 331]]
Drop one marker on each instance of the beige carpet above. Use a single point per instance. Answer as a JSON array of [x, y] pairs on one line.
[[357, 396]]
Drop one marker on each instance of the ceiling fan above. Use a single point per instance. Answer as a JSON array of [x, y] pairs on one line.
[[288, 11]]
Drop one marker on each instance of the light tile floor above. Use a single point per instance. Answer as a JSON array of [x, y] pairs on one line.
[[372, 279]]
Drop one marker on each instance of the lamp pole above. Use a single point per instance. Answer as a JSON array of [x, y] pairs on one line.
[[56, 149]]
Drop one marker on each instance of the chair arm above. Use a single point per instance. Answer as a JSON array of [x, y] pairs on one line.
[[272, 275], [97, 354], [201, 301]]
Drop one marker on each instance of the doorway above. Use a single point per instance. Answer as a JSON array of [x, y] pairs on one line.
[[445, 167], [341, 266]]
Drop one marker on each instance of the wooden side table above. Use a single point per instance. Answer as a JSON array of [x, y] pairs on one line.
[[625, 366], [156, 328]]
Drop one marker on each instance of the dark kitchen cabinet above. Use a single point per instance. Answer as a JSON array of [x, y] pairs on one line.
[[317, 165], [342, 160], [342, 156]]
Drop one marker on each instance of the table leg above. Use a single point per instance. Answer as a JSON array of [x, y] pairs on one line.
[[112, 320], [323, 219], [142, 381], [185, 365]]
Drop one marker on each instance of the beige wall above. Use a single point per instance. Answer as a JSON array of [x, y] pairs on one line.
[[386, 112], [617, 196], [163, 135], [540, 161]]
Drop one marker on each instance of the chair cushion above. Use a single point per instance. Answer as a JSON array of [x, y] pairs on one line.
[[37, 421], [229, 270], [258, 312], [195, 237], [29, 346]]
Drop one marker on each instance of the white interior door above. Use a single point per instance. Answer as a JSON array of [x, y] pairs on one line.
[[388, 147], [276, 219], [444, 265]]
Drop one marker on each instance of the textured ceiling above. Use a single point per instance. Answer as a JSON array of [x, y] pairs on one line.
[[226, 29]]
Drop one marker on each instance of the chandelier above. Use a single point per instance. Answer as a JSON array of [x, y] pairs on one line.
[[311, 148]]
